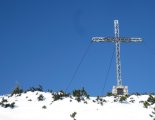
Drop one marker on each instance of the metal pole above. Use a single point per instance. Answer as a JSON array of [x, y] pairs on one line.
[[118, 61]]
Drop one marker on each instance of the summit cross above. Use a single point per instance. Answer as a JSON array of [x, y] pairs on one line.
[[119, 88]]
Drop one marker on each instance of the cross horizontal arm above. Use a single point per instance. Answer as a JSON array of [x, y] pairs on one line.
[[113, 39], [103, 39], [125, 39]]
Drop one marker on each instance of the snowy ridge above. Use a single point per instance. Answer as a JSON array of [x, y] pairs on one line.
[[41, 106]]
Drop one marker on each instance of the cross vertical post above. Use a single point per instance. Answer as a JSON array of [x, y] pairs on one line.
[[118, 59], [119, 89]]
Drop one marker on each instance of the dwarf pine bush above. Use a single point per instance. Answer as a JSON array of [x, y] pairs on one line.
[[73, 115], [123, 98], [33, 89], [44, 107], [80, 94], [17, 90], [60, 95], [146, 104], [41, 97], [151, 99]]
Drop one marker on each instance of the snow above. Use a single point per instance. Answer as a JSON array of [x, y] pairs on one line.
[[62, 109]]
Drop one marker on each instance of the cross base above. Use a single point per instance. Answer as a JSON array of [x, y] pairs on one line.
[[120, 90]]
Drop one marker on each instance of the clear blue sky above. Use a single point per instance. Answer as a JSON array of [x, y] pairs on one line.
[[43, 41]]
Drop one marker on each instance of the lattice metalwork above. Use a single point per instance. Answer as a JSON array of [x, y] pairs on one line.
[[117, 41]]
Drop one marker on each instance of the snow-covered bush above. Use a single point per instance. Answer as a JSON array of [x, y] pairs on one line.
[[100, 100], [146, 104], [6, 105], [123, 98], [33, 89], [151, 99], [132, 101], [44, 107], [73, 115], [17, 90], [12, 105], [110, 94], [4, 100], [60, 95], [41, 97], [80, 94]]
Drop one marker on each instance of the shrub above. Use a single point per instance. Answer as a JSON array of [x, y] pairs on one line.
[[115, 100], [85, 102], [151, 115], [123, 98], [141, 101], [94, 101], [146, 104], [60, 95], [70, 97], [17, 90], [56, 97], [33, 89], [41, 97], [73, 115], [151, 99], [132, 101], [6, 105], [137, 94], [100, 100], [78, 99], [76, 93], [4, 100], [110, 94], [12, 105], [44, 107], [63, 94], [80, 93]]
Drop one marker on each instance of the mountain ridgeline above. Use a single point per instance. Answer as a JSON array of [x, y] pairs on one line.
[[34, 103]]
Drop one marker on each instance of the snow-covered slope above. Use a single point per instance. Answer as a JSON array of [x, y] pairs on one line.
[[28, 107]]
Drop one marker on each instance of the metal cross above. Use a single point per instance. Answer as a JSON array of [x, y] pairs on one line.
[[117, 41]]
